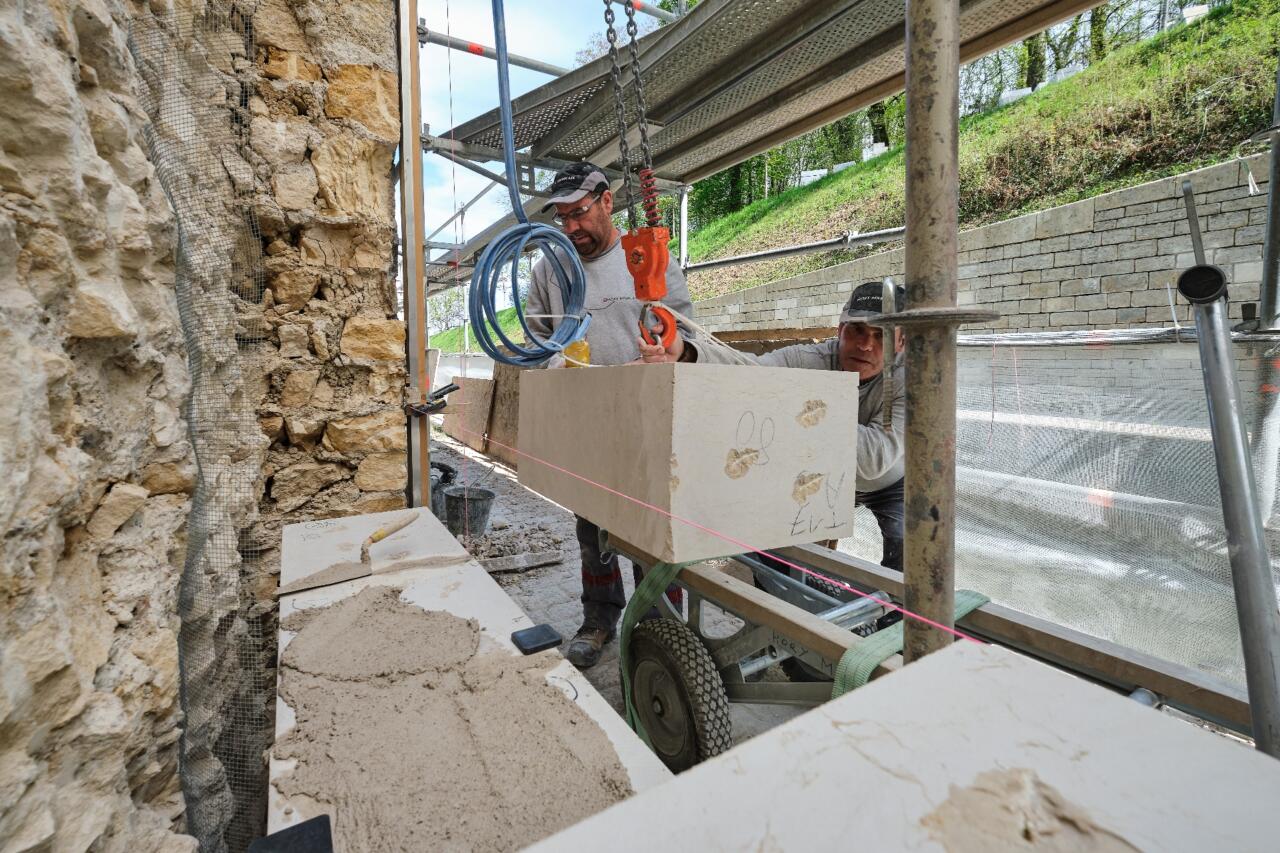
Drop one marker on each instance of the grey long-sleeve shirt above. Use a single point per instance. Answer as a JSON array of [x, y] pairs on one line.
[[614, 333], [880, 450]]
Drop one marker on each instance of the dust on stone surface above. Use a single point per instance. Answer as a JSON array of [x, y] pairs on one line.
[[1013, 809], [738, 462], [437, 745], [812, 413]]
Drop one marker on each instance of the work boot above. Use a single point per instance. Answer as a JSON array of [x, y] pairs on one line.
[[586, 646]]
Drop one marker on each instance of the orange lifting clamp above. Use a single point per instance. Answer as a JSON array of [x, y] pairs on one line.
[[647, 255]]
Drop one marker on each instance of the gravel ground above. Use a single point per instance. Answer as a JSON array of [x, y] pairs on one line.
[[522, 522]]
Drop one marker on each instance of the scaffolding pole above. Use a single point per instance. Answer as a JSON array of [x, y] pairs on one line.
[[684, 227], [412, 252], [426, 36], [1206, 288], [932, 238], [1269, 303], [847, 240]]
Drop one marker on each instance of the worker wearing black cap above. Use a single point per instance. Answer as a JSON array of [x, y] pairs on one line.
[[583, 203], [858, 347]]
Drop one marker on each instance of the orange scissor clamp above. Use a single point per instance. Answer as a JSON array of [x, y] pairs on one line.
[[647, 257]]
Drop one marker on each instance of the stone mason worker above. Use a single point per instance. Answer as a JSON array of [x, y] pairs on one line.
[[857, 347], [584, 211]]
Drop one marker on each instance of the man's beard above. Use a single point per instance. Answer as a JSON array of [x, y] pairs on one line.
[[587, 248]]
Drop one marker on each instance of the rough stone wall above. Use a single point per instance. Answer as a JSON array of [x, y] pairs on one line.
[[95, 468], [325, 126], [1100, 263]]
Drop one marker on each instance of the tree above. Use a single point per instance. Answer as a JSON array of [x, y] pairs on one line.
[[446, 310], [1098, 32], [1033, 60], [879, 128], [1064, 43]]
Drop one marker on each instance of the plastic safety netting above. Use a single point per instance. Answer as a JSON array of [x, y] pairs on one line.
[[1087, 492]]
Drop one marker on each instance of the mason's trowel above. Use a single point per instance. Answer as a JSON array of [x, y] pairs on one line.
[[339, 572]]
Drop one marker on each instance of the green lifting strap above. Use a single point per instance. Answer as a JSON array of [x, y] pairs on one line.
[[651, 587], [862, 658]]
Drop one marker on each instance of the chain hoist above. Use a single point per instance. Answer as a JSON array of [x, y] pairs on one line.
[[645, 247]]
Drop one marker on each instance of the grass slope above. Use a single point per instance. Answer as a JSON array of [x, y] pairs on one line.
[[1179, 101], [450, 340]]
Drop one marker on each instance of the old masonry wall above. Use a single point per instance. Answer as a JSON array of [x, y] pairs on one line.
[[98, 461]]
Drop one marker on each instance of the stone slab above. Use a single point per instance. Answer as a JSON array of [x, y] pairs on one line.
[[504, 417], [969, 749], [466, 590], [467, 415], [309, 547], [689, 462]]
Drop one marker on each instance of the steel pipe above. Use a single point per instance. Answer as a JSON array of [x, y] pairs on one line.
[[462, 210], [1269, 291], [426, 36], [932, 238], [684, 227], [847, 240], [1206, 288], [655, 11]]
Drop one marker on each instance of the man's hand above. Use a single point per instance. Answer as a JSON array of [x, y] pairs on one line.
[[656, 354]]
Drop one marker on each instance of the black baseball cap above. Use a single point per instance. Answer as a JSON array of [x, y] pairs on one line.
[[575, 182], [867, 302]]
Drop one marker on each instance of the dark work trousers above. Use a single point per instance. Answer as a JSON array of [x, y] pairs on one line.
[[887, 506], [603, 598]]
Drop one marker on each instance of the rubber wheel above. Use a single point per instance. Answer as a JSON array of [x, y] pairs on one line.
[[678, 694]]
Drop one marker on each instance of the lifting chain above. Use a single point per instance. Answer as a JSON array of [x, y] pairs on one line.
[[645, 248], [620, 109], [648, 185]]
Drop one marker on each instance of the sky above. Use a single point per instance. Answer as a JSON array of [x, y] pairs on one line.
[[458, 86]]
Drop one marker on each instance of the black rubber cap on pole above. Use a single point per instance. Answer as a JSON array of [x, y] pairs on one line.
[[1203, 283]]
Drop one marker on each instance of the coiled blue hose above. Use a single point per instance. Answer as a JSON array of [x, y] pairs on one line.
[[506, 249]]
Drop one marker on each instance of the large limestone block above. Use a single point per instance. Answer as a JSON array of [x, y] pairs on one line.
[[381, 431], [352, 176], [765, 457], [382, 472], [295, 288], [373, 339], [297, 484], [367, 95], [101, 309], [288, 65], [116, 508], [467, 417]]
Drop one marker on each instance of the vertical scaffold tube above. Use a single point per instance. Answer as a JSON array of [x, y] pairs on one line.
[[933, 68]]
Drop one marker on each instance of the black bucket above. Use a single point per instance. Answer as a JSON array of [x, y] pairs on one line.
[[442, 476], [466, 510]]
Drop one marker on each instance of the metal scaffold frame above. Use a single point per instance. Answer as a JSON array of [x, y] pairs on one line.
[[720, 107]]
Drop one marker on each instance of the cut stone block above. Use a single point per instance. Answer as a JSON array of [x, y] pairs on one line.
[[716, 459], [467, 415]]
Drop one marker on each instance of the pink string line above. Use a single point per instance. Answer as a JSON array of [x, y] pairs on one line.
[[890, 605]]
